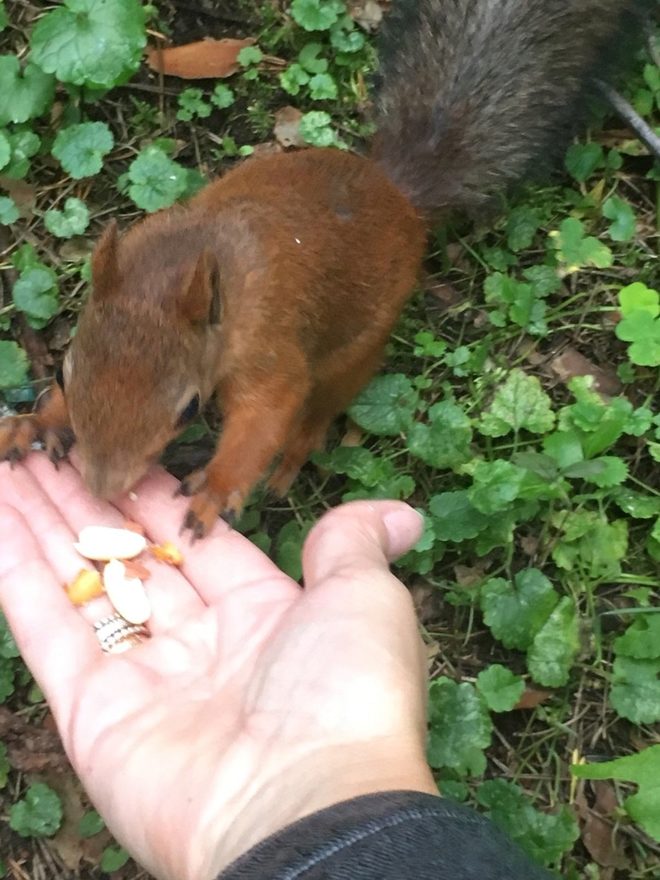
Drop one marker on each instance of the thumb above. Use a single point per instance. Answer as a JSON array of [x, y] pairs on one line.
[[359, 536]]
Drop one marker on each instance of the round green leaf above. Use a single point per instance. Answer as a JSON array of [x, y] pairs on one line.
[[13, 365], [113, 858], [5, 149], [24, 94], [515, 612], [156, 181], [459, 727], [8, 211], [386, 406], [38, 814], [81, 148], [35, 293], [90, 42], [73, 220], [500, 688]]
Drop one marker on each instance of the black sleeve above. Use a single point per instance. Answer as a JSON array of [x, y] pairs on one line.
[[390, 836]]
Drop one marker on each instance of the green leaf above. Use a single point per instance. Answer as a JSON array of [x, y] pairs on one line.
[[590, 545], [638, 296], [500, 688], [564, 447], [7, 675], [454, 517], [5, 149], [316, 129], [521, 227], [90, 824], [545, 837], [624, 226], [192, 104], [495, 485], [308, 58], [73, 220], [636, 504], [386, 406], [81, 148], [35, 294], [519, 403], [520, 300], [156, 181], [4, 21], [90, 42], [635, 692], [583, 159], [288, 548], [23, 144], [445, 442], [516, 612], [643, 769], [606, 472], [459, 727], [5, 766], [25, 94], [113, 858], [293, 79], [576, 249], [643, 332], [555, 646], [8, 211], [317, 15], [249, 55], [545, 279], [8, 647], [642, 638], [222, 96], [38, 814], [322, 87]]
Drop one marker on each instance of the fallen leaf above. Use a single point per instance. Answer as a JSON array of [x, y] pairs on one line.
[[531, 698], [571, 363], [200, 60], [367, 13], [287, 127], [31, 749], [599, 834], [353, 435], [469, 576], [24, 194]]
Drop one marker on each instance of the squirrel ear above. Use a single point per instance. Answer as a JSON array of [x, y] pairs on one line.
[[202, 296], [105, 268]]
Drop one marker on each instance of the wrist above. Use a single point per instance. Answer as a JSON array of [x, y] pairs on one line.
[[306, 785]]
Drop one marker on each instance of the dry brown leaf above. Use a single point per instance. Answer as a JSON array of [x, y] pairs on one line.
[[532, 698], [287, 127], [571, 363], [353, 435], [469, 576], [598, 834], [200, 60], [367, 13], [24, 194]]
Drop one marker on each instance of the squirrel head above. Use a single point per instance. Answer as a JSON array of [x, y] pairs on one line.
[[144, 358]]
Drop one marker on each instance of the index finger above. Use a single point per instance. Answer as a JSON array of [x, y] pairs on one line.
[[55, 641]]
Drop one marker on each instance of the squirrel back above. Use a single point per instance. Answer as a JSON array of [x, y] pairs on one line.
[[473, 95]]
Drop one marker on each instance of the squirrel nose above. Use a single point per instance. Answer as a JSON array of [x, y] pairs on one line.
[[104, 482]]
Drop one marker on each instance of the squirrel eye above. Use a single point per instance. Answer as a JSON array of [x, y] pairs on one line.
[[189, 413], [59, 377]]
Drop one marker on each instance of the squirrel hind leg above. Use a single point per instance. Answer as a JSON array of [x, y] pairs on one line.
[[307, 438]]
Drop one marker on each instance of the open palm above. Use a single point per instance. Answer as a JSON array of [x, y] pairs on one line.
[[254, 702]]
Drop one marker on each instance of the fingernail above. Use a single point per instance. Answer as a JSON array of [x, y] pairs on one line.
[[404, 527]]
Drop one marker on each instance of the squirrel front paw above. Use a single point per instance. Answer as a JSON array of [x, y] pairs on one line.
[[18, 433], [207, 504]]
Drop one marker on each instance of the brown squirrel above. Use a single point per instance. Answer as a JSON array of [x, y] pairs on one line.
[[278, 285]]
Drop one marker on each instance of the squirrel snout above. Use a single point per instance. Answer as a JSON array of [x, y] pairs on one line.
[[109, 482]]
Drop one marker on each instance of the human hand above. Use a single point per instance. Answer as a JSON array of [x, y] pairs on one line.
[[254, 702]]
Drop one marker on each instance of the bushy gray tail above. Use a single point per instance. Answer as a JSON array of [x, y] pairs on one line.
[[474, 95]]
